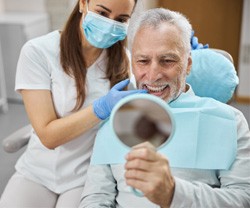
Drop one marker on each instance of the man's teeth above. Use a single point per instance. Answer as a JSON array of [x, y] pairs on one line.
[[156, 88]]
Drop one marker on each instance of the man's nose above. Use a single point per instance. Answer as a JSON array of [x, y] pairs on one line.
[[154, 72]]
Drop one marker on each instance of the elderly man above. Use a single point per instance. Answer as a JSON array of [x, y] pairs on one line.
[[161, 61]]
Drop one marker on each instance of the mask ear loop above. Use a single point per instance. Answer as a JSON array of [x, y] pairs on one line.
[[87, 7]]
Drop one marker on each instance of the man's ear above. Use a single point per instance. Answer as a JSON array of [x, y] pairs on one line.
[[189, 65]]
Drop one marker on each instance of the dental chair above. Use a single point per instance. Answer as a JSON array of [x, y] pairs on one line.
[[212, 75]]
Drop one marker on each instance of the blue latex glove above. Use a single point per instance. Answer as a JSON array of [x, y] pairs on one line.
[[195, 44], [104, 105]]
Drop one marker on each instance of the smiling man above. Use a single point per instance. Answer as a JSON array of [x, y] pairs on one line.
[[161, 61]]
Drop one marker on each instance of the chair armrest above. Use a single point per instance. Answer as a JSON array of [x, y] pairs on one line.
[[17, 140]]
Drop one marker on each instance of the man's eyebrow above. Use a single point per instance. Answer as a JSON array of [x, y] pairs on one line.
[[169, 55], [140, 56]]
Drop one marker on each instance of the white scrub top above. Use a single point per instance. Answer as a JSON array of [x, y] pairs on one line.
[[64, 167]]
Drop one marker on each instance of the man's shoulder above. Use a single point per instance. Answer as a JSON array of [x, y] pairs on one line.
[[207, 101], [222, 109], [189, 102]]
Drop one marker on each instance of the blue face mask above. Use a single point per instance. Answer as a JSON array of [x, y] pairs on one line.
[[102, 32]]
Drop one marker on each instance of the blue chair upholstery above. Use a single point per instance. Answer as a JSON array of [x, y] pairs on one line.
[[213, 75]]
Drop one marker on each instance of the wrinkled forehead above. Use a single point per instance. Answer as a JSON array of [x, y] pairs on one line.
[[160, 38]]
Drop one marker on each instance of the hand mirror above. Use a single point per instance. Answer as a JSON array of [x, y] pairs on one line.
[[142, 117]]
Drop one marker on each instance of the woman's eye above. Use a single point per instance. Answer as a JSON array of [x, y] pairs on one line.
[[102, 13], [122, 20]]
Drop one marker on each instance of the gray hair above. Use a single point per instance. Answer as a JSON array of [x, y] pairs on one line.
[[155, 17]]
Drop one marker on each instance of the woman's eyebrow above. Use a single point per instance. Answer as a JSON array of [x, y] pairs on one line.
[[110, 11], [107, 9], [124, 15]]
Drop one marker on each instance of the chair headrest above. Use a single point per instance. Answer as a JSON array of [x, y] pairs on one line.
[[212, 75]]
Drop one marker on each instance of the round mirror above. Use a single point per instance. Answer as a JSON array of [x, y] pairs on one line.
[[141, 118]]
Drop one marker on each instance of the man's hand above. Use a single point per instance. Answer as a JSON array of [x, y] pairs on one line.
[[149, 172]]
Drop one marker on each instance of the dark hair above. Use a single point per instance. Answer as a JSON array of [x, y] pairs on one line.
[[73, 63]]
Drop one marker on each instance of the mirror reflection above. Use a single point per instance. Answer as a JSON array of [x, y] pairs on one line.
[[141, 120]]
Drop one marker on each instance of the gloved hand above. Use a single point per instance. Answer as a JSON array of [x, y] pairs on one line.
[[195, 44], [104, 105]]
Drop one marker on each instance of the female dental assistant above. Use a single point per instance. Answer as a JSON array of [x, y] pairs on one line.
[[65, 80]]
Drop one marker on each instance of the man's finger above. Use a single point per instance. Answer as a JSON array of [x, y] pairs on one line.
[[143, 153], [138, 164]]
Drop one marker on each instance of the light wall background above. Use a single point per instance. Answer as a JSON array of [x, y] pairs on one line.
[[1, 6], [58, 10], [243, 91]]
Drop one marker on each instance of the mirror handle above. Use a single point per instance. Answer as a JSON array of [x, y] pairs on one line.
[[137, 192]]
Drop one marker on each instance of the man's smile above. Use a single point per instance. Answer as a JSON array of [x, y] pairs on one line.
[[157, 90]]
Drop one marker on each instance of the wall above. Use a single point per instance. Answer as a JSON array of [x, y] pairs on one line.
[[1, 6], [58, 10], [148, 4], [215, 22], [25, 5], [21, 20], [243, 90]]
